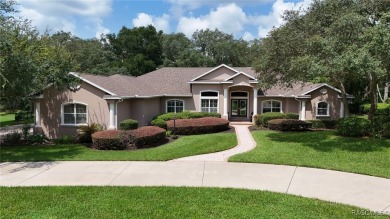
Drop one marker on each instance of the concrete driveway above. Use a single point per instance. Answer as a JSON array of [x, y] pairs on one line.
[[363, 191]]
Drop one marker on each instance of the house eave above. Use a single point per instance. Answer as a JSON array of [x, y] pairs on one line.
[[91, 83]]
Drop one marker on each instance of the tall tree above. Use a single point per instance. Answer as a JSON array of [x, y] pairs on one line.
[[138, 50], [28, 61], [328, 43]]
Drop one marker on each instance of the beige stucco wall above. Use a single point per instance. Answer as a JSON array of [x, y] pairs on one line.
[[219, 74], [143, 110], [124, 110], [331, 97], [50, 107]]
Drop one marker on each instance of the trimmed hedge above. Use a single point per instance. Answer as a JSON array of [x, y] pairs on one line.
[[288, 125], [262, 119], [352, 127], [160, 120], [323, 124], [128, 124], [160, 123], [148, 136], [292, 116], [111, 140], [198, 126]]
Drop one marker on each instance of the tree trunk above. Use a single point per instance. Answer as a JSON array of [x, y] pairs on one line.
[[372, 95], [386, 93], [344, 99]]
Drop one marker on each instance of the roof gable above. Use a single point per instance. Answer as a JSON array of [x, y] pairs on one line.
[[240, 73], [230, 71], [320, 86]]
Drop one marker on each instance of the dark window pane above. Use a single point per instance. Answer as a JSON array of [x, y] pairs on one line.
[[81, 118], [275, 104], [322, 105], [81, 108], [179, 109], [170, 109], [69, 108], [239, 94], [266, 110], [209, 94], [69, 119]]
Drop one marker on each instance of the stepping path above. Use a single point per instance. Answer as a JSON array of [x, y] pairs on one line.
[[245, 143]]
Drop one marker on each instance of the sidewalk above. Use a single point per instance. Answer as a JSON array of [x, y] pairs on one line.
[[359, 190]]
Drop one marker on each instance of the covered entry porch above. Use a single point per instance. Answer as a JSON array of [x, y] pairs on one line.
[[240, 102]]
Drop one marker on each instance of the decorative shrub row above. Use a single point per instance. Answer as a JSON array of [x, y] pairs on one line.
[[128, 124], [121, 139], [111, 140], [323, 124], [160, 120], [198, 126], [262, 119], [288, 125], [148, 136]]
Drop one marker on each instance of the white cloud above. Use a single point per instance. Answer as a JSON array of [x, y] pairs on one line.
[[101, 30], [160, 23], [274, 18], [247, 36], [227, 18], [62, 15]]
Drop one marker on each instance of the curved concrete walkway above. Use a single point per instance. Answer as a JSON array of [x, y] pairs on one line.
[[363, 191], [245, 143]]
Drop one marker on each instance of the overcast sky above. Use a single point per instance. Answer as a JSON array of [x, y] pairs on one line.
[[247, 19]]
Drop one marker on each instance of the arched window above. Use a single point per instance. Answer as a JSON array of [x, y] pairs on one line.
[[209, 101], [271, 106], [74, 114], [174, 106], [322, 109]]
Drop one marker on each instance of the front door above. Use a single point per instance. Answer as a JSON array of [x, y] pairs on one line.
[[239, 107]]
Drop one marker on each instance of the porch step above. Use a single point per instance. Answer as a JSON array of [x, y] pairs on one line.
[[240, 123]]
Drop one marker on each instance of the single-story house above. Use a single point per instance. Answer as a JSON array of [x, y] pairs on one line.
[[231, 91]]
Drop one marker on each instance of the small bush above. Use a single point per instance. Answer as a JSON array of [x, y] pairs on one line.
[[111, 140], [386, 130], [23, 115], [323, 124], [36, 139], [263, 119], [198, 126], [352, 127], [377, 127], [65, 139], [159, 122], [288, 125], [148, 136], [84, 133], [12, 138], [128, 124], [292, 116]]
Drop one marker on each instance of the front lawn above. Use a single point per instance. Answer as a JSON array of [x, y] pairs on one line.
[[321, 149], [182, 147], [7, 119], [163, 202]]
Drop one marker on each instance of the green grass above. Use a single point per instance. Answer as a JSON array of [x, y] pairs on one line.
[[184, 146], [321, 149], [7, 119], [163, 202]]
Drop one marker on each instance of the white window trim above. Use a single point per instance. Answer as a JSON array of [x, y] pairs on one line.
[[62, 114], [208, 98], [272, 100], [327, 110], [166, 104]]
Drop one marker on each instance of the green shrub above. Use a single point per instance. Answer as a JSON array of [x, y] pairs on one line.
[[263, 119], [288, 125], [159, 122], [111, 140], [128, 124], [386, 130], [148, 136], [84, 133], [292, 116], [65, 139], [352, 127], [323, 124], [23, 115], [186, 115], [377, 127], [36, 139], [198, 126], [12, 138], [26, 131]]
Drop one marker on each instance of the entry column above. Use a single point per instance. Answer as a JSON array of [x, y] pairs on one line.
[[225, 102], [255, 101]]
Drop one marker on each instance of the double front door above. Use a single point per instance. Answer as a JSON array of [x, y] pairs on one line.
[[239, 107]]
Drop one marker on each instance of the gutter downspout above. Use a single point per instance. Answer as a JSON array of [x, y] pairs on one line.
[[116, 112]]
